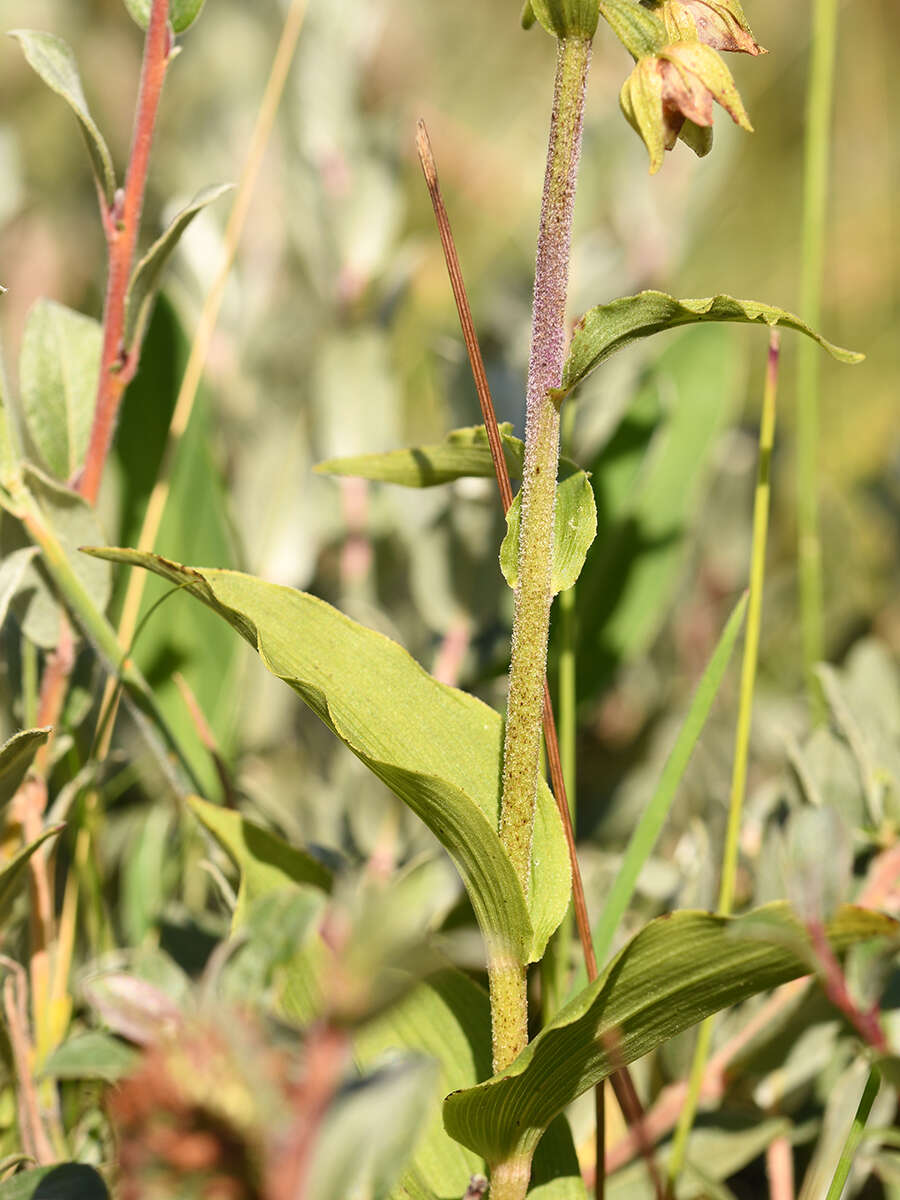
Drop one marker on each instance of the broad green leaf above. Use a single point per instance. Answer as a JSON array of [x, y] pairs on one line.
[[610, 327], [92, 1055], [370, 1131], [463, 453], [448, 1018], [649, 481], [437, 748], [677, 971], [265, 861], [182, 13], [54, 61], [58, 370], [650, 825], [196, 527], [16, 756], [574, 529], [67, 1181], [12, 875], [146, 277], [74, 523]]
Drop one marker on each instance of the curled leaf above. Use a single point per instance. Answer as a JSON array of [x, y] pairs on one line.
[[575, 527], [437, 748], [610, 327], [54, 62], [147, 274], [677, 971]]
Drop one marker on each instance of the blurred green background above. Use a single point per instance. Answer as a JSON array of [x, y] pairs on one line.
[[338, 335]]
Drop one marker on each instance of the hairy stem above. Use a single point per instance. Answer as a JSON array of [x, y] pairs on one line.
[[122, 225], [815, 204], [522, 747], [533, 592]]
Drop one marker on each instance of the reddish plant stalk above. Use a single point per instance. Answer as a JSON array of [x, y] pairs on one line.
[[122, 224]]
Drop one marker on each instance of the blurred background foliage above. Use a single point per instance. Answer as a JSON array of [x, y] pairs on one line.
[[339, 336]]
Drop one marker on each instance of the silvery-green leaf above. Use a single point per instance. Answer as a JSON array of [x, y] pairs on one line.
[[91, 1055], [54, 61], [145, 279], [58, 371], [74, 523]]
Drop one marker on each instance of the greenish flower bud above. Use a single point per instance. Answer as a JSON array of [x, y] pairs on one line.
[[182, 13], [717, 23], [675, 86], [564, 18]]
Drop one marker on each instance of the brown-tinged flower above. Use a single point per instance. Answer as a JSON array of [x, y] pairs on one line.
[[675, 86], [717, 23]]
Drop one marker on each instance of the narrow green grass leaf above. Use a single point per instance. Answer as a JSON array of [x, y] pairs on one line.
[[266, 862], [604, 330], [654, 815], [16, 756], [145, 279], [437, 748], [575, 527], [854, 1137], [12, 876], [54, 62], [58, 370], [464, 453], [66, 1181], [678, 970]]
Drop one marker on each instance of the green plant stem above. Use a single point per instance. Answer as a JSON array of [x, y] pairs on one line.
[[531, 621], [854, 1136], [533, 594], [742, 733], [815, 202]]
